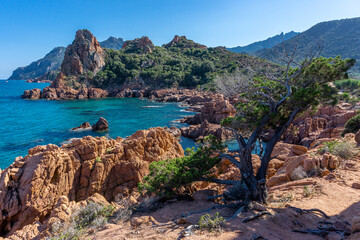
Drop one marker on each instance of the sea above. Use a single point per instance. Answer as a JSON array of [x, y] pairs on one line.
[[25, 124]]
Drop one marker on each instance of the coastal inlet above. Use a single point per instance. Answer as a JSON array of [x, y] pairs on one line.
[[25, 123]]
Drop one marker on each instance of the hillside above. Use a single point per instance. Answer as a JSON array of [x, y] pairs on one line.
[[182, 62], [268, 43], [338, 37], [112, 43], [51, 62]]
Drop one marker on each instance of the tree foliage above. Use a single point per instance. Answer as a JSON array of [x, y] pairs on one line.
[[167, 176], [181, 64]]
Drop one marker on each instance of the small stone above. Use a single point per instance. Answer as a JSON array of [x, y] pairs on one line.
[[356, 185], [299, 150], [325, 173], [181, 221]]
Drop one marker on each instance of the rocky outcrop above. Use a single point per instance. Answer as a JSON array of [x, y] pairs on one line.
[[213, 112], [198, 132], [100, 125], [138, 45], [32, 94], [83, 55], [31, 187], [327, 122], [183, 42], [85, 125]]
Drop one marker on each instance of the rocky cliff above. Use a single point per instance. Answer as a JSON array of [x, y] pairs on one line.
[[51, 62], [31, 187], [83, 55]]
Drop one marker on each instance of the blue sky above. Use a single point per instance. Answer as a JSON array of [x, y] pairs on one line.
[[30, 29]]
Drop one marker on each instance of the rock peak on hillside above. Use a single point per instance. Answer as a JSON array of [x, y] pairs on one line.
[[182, 41], [83, 55], [139, 45]]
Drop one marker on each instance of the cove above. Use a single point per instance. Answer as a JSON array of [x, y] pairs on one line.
[[27, 123]]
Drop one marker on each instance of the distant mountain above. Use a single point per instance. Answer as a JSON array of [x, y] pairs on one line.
[[47, 68], [51, 62], [268, 43], [112, 43], [338, 37]]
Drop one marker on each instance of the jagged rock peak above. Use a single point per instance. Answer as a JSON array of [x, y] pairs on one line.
[[83, 55], [138, 45], [182, 41]]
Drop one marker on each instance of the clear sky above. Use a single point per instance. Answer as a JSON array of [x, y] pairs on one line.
[[30, 29]]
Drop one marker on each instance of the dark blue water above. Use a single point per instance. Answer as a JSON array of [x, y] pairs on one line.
[[27, 123]]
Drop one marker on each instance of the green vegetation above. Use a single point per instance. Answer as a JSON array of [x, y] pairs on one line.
[[343, 150], [98, 159], [167, 176], [353, 125], [338, 37], [214, 223], [185, 64], [348, 84], [93, 215]]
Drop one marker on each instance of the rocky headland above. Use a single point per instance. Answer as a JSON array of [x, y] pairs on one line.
[[36, 189]]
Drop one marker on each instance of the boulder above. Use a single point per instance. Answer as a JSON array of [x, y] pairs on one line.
[[101, 125], [198, 132], [32, 94], [357, 137]]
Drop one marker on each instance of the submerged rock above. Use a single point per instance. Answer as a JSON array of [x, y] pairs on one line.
[[85, 125]]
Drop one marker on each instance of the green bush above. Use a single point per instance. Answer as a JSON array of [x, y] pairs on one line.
[[348, 84], [343, 150], [352, 126], [212, 223], [167, 176]]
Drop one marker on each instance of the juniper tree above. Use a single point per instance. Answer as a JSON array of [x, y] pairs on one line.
[[270, 100]]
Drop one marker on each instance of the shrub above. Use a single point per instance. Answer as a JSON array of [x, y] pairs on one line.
[[125, 210], [341, 149], [348, 84], [212, 223], [93, 214], [353, 125], [167, 176], [344, 150], [149, 204], [60, 231], [98, 159], [308, 191], [298, 173]]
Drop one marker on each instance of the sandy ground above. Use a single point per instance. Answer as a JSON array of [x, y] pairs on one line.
[[333, 194]]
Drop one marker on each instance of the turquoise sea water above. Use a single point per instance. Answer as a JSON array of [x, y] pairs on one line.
[[27, 123]]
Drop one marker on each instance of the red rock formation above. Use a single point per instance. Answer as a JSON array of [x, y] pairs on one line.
[[213, 112], [31, 187], [327, 122], [32, 94], [139, 44], [83, 55], [198, 132], [101, 125], [186, 43]]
